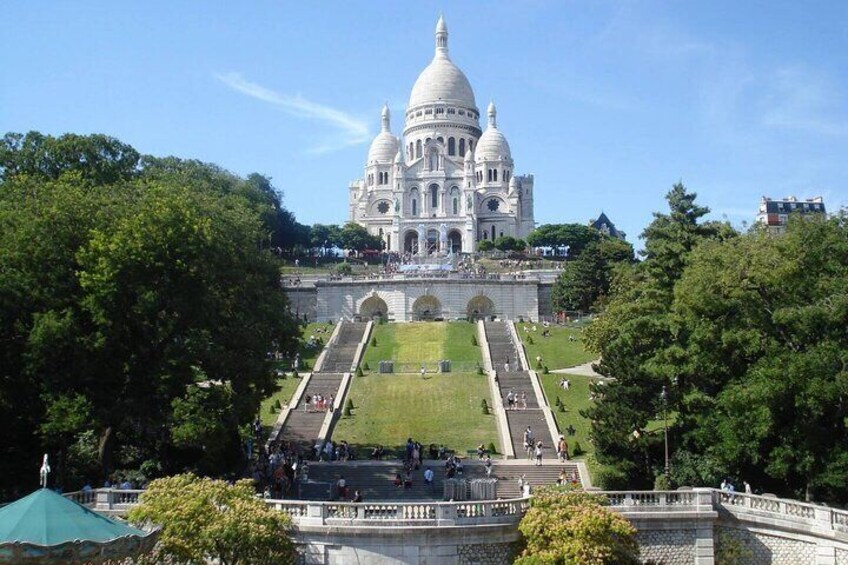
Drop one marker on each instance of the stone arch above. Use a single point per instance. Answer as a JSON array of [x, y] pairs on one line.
[[455, 241], [373, 308], [426, 307], [480, 307], [410, 242]]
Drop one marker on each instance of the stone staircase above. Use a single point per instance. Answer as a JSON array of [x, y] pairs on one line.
[[517, 380], [374, 479], [339, 355], [302, 427]]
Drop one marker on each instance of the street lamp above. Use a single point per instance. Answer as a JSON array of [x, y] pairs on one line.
[[664, 398]]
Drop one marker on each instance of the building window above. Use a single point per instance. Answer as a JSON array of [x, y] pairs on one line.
[[489, 176], [414, 207], [495, 174], [434, 196], [418, 149], [462, 147], [455, 206], [493, 204], [451, 146], [462, 112], [440, 139], [471, 145]]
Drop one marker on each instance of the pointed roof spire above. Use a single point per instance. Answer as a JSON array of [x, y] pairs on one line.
[[441, 37], [386, 117], [493, 114]]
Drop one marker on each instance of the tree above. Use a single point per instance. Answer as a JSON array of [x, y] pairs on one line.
[[205, 520], [485, 245], [761, 329], [509, 243], [324, 237], [637, 340], [570, 528], [574, 236], [115, 298], [588, 277], [356, 238]]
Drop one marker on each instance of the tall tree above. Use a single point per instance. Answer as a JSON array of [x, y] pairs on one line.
[[587, 278], [574, 236]]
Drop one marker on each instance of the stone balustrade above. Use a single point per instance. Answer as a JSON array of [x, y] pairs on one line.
[[675, 527]]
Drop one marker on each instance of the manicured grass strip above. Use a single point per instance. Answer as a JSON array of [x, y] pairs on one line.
[[441, 409], [286, 389], [410, 344], [458, 345], [575, 399], [556, 350]]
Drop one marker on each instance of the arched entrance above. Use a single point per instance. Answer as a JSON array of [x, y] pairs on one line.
[[426, 307], [480, 307], [373, 308], [410, 242], [455, 241], [432, 241]]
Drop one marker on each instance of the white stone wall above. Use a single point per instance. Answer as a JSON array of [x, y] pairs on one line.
[[512, 299], [842, 556], [753, 548]]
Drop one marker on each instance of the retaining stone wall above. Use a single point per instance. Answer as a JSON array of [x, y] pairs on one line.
[[487, 553], [750, 548], [841, 556], [669, 547]]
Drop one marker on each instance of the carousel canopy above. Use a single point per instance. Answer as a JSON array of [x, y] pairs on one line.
[[47, 524]]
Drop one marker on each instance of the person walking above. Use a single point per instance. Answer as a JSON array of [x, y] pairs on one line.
[[538, 453], [488, 464]]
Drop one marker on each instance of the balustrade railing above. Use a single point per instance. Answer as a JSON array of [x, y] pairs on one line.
[[511, 510]]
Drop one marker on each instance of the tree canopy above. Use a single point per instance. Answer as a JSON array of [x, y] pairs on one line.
[[586, 280], [119, 292], [748, 335], [564, 527], [205, 520], [574, 236]]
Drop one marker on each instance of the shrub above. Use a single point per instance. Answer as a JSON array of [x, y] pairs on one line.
[[374, 341], [485, 406], [558, 402], [272, 410], [491, 448], [530, 340], [561, 408], [346, 411], [304, 365], [474, 340], [359, 372], [661, 482], [294, 374], [545, 370], [480, 370], [344, 269], [538, 363], [349, 404], [366, 367], [578, 449], [277, 404]]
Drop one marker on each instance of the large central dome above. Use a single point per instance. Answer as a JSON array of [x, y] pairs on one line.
[[442, 80]]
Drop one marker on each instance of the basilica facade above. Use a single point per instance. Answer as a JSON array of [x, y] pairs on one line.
[[446, 184]]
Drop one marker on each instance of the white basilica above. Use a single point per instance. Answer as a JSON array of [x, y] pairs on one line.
[[446, 183]]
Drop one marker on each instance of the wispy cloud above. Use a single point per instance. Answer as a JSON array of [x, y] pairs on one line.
[[351, 131], [803, 100]]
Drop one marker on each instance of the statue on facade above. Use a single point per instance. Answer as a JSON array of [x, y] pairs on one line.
[[422, 240], [443, 238]]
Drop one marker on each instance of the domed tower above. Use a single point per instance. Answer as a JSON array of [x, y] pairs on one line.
[[447, 177]]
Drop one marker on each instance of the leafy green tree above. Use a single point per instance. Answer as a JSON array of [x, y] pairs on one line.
[[575, 528], [575, 236], [116, 296], [762, 335], [587, 278], [205, 520], [97, 158], [485, 245], [637, 340], [325, 237], [509, 243], [356, 238]]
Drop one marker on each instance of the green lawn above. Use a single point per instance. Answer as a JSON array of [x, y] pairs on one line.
[[576, 398], [557, 351], [411, 344], [286, 388], [441, 409]]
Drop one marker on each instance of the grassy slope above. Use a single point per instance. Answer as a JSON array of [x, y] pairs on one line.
[[415, 343], [440, 409], [287, 387], [574, 399], [556, 351]]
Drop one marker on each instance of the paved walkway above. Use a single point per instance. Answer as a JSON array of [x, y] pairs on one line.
[[585, 369]]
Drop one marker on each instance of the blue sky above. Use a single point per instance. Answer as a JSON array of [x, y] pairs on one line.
[[607, 103]]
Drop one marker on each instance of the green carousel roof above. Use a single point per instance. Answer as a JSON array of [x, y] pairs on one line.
[[46, 527]]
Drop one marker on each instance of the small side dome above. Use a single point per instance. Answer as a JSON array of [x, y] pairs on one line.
[[385, 146], [492, 145]]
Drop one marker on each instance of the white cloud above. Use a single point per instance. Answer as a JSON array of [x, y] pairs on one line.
[[351, 131]]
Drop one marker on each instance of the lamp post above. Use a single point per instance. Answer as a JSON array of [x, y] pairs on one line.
[[664, 397]]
